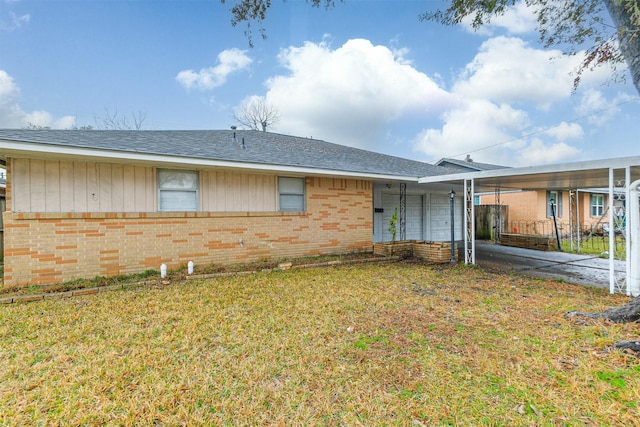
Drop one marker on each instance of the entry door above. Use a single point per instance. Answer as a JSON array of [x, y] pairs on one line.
[[414, 216]]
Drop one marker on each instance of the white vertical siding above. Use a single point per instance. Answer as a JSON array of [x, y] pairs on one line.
[[237, 192], [65, 186]]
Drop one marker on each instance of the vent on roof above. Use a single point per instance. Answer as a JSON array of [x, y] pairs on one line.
[[233, 128]]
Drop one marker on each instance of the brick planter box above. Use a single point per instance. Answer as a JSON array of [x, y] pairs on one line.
[[541, 243], [431, 252], [402, 249], [434, 252]]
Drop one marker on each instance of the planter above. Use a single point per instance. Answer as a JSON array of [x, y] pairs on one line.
[[402, 249], [430, 252], [434, 252], [541, 243]]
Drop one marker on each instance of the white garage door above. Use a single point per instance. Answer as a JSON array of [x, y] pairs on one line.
[[414, 214], [441, 218]]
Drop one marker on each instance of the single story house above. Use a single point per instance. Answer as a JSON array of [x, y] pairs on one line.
[[83, 203]]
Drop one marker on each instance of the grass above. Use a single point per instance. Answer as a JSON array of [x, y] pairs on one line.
[[597, 246], [177, 274], [380, 344]]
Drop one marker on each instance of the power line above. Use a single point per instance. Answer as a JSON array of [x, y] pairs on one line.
[[543, 130]]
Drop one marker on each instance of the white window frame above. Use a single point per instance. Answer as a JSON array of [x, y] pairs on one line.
[[597, 207], [284, 191], [558, 200], [167, 190]]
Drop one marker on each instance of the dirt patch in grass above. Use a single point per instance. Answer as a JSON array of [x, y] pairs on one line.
[[377, 344]]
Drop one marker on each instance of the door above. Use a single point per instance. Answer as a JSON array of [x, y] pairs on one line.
[[414, 216], [440, 225]]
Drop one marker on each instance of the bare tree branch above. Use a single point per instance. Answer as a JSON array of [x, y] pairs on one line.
[[255, 113], [113, 121]]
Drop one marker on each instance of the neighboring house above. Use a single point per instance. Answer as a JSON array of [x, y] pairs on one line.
[[82, 203], [530, 212], [466, 165]]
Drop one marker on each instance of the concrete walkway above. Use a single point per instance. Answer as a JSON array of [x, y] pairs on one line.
[[588, 270]]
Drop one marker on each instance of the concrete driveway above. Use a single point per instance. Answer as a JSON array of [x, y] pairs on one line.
[[579, 269]]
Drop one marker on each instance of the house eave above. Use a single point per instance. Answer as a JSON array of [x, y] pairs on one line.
[[17, 149]]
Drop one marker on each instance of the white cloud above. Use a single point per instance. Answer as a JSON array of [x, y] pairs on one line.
[[597, 109], [518, 19], [506, 78], [351, 94], [12, 116], [506, 69], [565, 131], [15, 22], [229, 61], [537, 152], [478, 124]]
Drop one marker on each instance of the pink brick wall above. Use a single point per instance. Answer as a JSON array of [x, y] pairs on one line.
[[42, 248]]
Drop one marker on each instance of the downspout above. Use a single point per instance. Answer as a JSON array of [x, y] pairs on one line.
[[633, 225]]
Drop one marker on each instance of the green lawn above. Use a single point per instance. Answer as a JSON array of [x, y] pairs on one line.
[[379, 344]]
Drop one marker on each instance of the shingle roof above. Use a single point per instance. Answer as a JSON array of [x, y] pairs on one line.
[[259, 148], [467, 166]]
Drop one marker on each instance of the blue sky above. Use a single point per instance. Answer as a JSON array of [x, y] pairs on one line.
[[365, 73]]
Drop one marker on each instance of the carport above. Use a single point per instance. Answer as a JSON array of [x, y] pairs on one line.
[[620, 175]]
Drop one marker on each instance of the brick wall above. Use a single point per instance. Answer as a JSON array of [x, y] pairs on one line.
[[43, 248], [528, 211]]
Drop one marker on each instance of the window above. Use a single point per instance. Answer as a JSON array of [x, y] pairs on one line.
[[597, 205], [291, 194], [556, 197], [177, 190], [476, 200]]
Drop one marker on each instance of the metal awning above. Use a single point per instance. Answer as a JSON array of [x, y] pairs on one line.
[[618, 175], [565, 176]]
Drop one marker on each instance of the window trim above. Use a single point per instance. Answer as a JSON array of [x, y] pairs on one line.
[[593, 205], [303, 194], [196, 190], [558, 203]]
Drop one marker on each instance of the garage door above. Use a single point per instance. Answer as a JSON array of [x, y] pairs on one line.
[[414, 214], [440, 224]]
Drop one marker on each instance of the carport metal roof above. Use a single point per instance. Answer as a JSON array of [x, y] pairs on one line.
[[618, 174], [565, 176]]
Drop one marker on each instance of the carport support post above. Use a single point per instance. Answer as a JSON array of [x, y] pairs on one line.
[[633, 239], [612, 275], [469, 223], [452, 194]]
